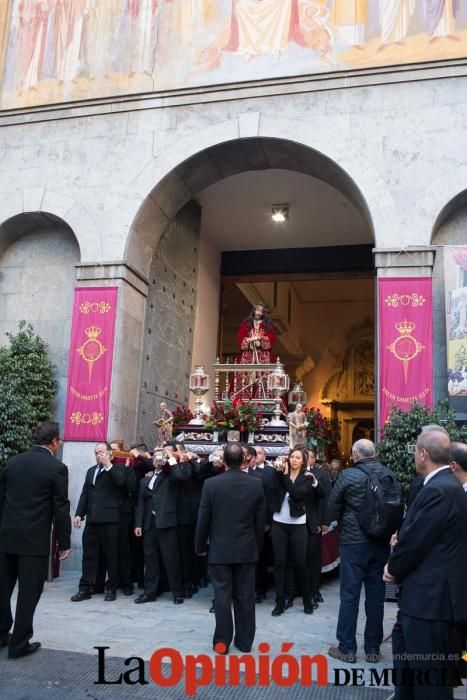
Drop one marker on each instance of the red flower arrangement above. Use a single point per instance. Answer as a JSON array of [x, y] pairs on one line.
[[318, 426], [245, 417], [182, 415]]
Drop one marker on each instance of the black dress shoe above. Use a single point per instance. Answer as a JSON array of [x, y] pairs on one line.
[[25, 651], [319, 598], [178, 600], [127, 591], [5, 640], [289, 603], [110, 595], [81, 595], [307, 606], [143, 598], [278, 610], [188, 594]]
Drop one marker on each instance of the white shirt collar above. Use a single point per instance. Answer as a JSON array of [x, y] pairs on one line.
[[153, 478], [435, 471], [464, 485], [260, 466]]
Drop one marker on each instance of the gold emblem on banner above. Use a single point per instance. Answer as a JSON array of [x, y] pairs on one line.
[[101, 307], [93, 418], [405, 348], [395, 300], [92, 349]]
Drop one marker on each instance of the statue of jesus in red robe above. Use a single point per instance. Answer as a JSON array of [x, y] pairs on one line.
[[255, 338]]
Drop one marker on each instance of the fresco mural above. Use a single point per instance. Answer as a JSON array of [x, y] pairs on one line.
[[60, 50]]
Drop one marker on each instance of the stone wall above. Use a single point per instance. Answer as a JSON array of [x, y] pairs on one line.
[[37, 278], [169, 322]]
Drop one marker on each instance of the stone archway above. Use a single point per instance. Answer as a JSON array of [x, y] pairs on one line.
[[185, 167], [164, 243], [450, 227], [38, 256]]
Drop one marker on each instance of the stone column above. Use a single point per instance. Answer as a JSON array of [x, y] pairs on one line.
[[126, 371], [396, 262]]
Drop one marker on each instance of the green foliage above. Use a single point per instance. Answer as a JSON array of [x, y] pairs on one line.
[[27, 388], [403, 429]]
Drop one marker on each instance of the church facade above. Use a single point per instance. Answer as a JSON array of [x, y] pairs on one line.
[[108, 159]]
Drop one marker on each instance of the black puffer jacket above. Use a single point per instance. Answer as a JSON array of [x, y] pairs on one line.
[[346, 500]]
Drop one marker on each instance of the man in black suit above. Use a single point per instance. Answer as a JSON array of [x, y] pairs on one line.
[[317, 523], [232, 516], [33, 493], [429, 560], [262, 470], [459, 463], [156, 516], [99, 503]]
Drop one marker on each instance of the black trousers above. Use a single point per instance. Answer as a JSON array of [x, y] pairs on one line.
[[186, 534], [97, 538], [234, 583], [262, 581], [30, 573], [161, 546], [422, 647], [313, 562], [124, 552], [289, 541]]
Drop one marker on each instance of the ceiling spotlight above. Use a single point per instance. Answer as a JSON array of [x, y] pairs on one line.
[[280, 212]]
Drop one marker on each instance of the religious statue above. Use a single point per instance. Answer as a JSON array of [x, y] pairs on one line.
[[297, 426], [164, 424], [255, 338]]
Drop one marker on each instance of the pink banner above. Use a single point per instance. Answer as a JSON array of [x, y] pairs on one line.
[[90, 365], [405, 343]]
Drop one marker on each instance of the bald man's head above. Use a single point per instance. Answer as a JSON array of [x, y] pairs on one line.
[[432, 450], [459, 461], [363, 449]]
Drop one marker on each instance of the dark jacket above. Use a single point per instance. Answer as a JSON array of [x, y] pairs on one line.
[[301, 492], [189, 495], [316, 504], [33, 493], [162, 498], [100, 501], [269, 480], [346, 500], [232, 516], [324, 480], [430, 558]]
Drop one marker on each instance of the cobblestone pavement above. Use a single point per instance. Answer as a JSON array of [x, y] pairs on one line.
[[67, 664]]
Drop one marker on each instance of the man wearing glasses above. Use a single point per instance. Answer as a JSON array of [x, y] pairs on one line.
[[99, 503]]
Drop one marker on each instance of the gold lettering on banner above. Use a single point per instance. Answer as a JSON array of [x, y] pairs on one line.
[[88, 397], [405, 347], [93, 418], [406, 399], [414, 300], [92, 349], [101, 307]]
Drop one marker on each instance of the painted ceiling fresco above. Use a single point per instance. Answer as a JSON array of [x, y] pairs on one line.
[[62, 50]]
